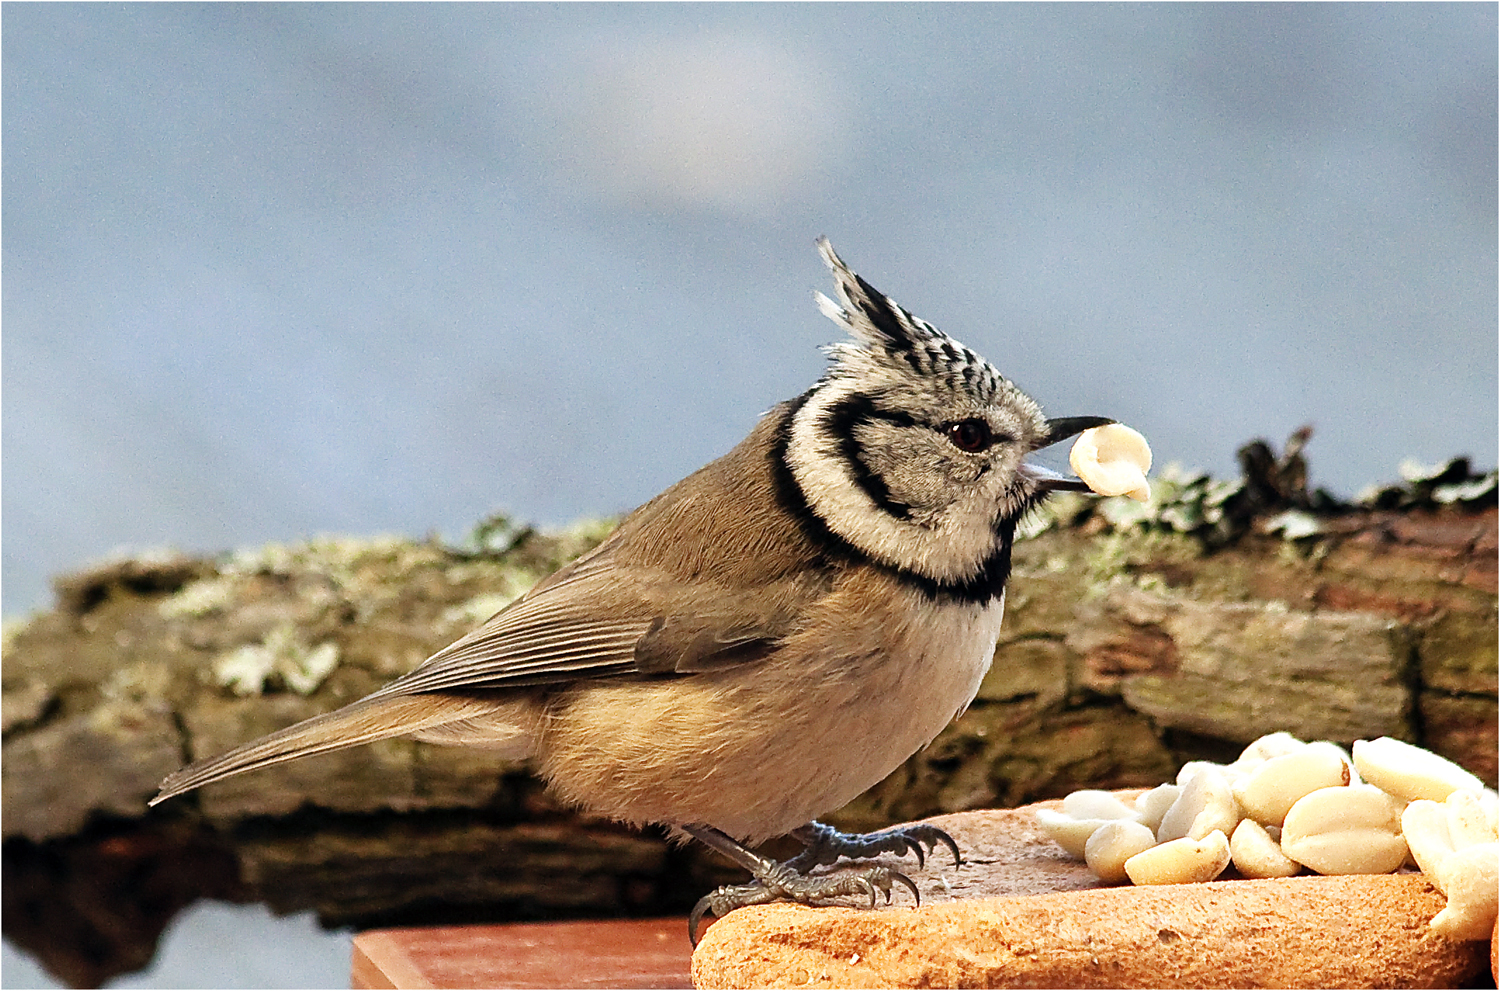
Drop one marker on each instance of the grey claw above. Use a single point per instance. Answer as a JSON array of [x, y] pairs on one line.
[[790, 881], [723, 900], [949, 842], [897, 876], [825, 845], [695, 917], [778, 883], [932, 836]]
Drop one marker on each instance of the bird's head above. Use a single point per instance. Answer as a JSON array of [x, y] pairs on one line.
[[911, 447]]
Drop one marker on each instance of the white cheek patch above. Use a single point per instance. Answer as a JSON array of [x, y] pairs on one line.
[[1113, 460]]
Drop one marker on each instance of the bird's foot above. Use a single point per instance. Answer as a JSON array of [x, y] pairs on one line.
[[783, 882], [824, 844]]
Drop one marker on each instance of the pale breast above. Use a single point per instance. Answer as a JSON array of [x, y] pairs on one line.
[[876, 672]]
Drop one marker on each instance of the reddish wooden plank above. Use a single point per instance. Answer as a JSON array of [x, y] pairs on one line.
[[624, 953]]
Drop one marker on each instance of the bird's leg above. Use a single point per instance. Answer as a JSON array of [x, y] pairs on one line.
[[824, 844], [781, 881]]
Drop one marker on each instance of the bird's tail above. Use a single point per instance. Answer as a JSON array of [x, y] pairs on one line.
[[369, 719]]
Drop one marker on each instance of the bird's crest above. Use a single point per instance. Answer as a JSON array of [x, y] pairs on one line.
[[887, 334]]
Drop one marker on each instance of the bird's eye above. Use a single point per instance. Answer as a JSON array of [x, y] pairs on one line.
[[971, 435]]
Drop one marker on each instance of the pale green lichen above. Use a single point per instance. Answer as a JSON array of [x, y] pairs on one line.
[[282, 658], [1274, 501], [1105, 562], [337, 557], [588, 533], [494, 536], [1443, 484], [1415, 472], [478, 609], [1182, 501], [1115, 556], [142, 680], [1469, 491], [200, 598], [1122, 513], [1294, 524], [367, 573], [1059, 510]]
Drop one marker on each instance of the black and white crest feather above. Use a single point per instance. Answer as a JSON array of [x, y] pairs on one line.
[[887, 330]]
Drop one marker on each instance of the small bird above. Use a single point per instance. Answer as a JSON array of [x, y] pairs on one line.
[[769, 637]]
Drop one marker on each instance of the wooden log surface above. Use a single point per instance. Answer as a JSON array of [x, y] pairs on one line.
[[1132, 642]]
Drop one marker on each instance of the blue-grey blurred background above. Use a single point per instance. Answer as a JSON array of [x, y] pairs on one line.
[[272, 271]]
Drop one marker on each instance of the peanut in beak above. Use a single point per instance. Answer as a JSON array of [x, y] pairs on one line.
[[1113, 460]]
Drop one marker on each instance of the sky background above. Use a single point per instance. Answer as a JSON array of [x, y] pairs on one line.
[[275, 271]]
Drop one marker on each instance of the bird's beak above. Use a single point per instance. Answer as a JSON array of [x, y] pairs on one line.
[[1064, 427], [1060, 429]]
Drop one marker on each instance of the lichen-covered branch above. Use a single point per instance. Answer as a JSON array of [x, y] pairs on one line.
[[1133, 641]]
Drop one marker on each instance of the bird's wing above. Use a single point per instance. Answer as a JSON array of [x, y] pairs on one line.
[[597, 618], [603, 620]]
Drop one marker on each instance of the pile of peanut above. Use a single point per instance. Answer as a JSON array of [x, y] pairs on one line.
[[1285, 805]]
